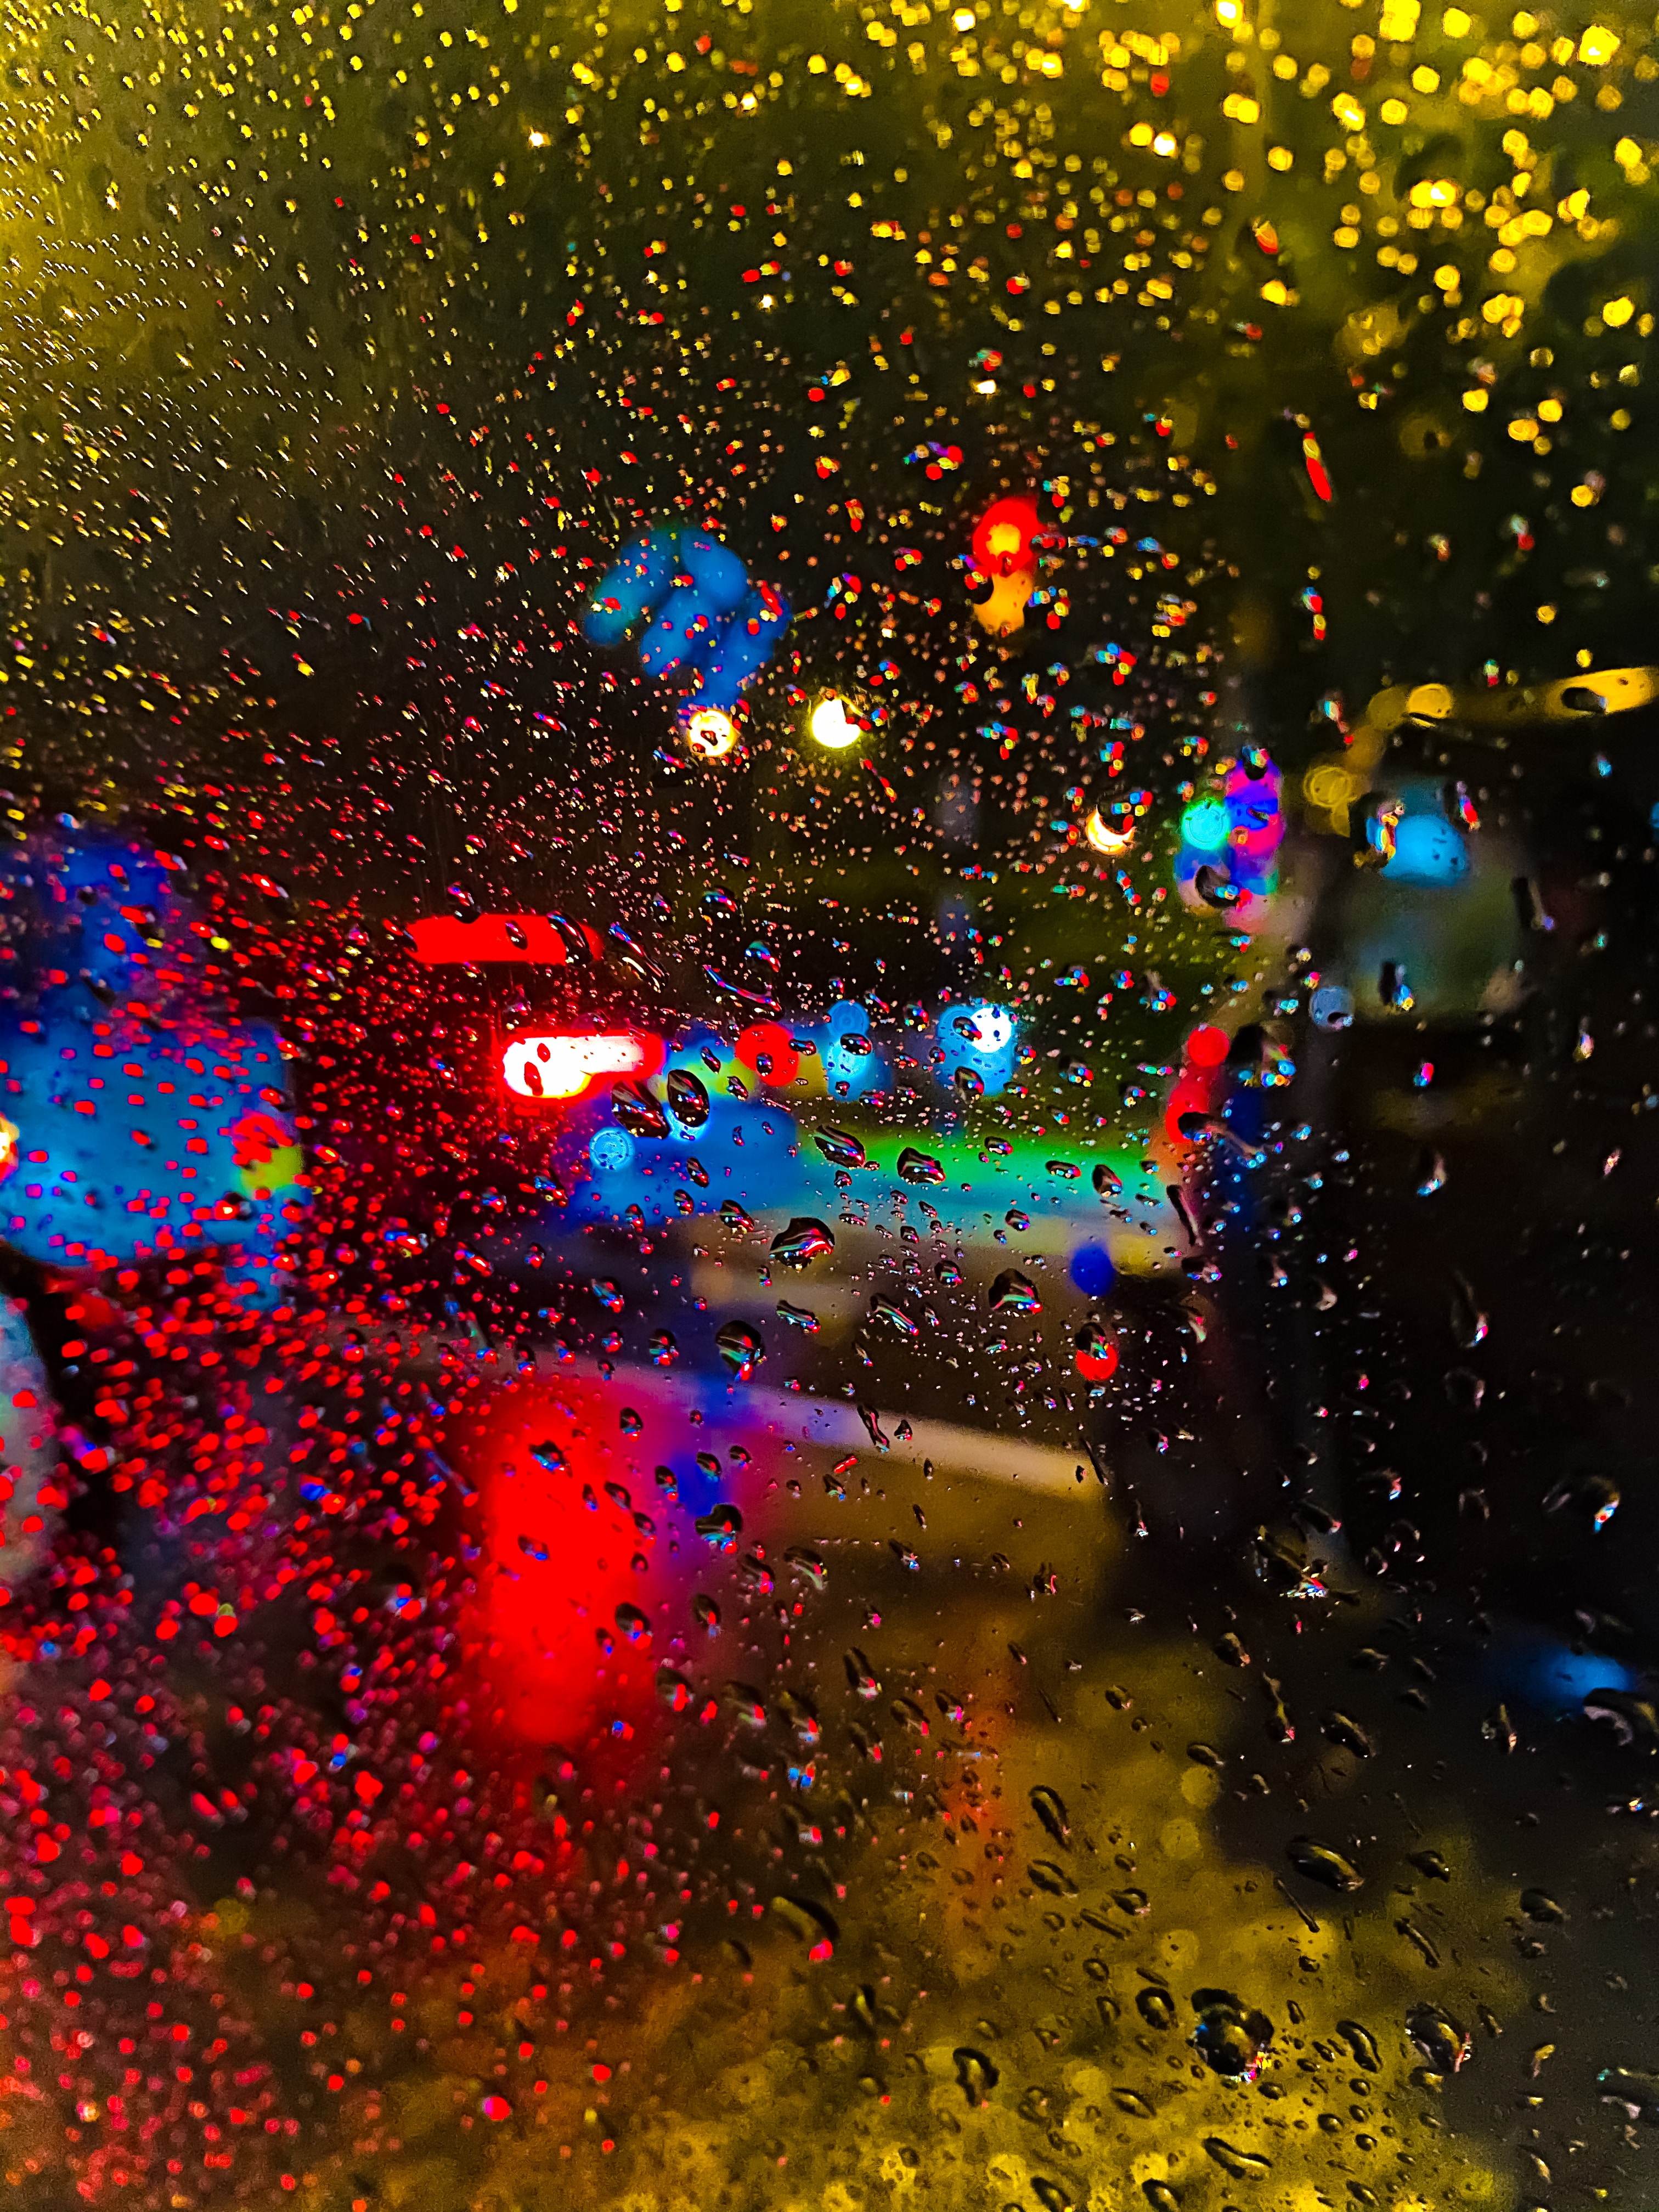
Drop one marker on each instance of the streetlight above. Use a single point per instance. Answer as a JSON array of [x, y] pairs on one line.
[[831, 724], [710, 732]]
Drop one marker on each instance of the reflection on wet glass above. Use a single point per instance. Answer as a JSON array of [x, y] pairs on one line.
[[825, 1154]]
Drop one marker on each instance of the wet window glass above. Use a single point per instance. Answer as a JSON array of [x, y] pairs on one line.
[[826, 917]]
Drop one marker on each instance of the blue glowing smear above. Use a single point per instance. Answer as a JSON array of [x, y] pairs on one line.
[[149, 1119], [1427, 850], [609, 1150], [689, 602], [981, 1044], [1093, 1271]]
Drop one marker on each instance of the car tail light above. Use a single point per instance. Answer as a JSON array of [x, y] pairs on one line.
[[552, 1067]]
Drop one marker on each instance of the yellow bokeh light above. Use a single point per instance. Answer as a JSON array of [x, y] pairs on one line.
[[710, 732], [1103, 837], [831, 724], [1598, 45]]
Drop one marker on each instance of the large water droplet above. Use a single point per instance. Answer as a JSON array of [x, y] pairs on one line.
[[1320, 1864], [1050, 1808], [1230, 2039], [1243, 2165], [740, 1348], [844, 1151], [976, 2074], [688, 1098], [638, 1112], [1014, 1293], [721, 1526], [1444, 2042], [805, 1239]]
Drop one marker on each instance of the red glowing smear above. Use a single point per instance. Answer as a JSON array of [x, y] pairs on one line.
[[548, 1068], [442, 940], [562, 1552], [773, 1041], [1002, 543], [1208, 1045], [1316, 473], [1098, 1366], [1204, 1057]]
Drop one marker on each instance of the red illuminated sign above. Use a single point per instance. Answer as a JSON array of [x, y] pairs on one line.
[[545, 1068], [442, 940]]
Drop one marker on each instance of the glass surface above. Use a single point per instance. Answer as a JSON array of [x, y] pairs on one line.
[[828, 1181]]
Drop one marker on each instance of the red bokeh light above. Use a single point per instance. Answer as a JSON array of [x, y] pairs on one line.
[[1002, 542], [771, 1040], [1206, 1046], [1098, 1366]]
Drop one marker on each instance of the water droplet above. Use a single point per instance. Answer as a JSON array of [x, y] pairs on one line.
[[975, 2073], [919, 1167], [805, 1239], [1242, 2165], [1232, 2040], [745, 1704], [1340, 1729], [720, 1526], [1050, 1808], [840, 1150], [638, 1112], [811, 1922], [1015, 1293], [688, 1098], [892, 1316], [1320, 1864], [740, 1348], [1444, 2042], [1156, 2007]]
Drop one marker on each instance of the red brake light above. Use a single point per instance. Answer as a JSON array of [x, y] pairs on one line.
[[442, 940], [548, 1068]]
